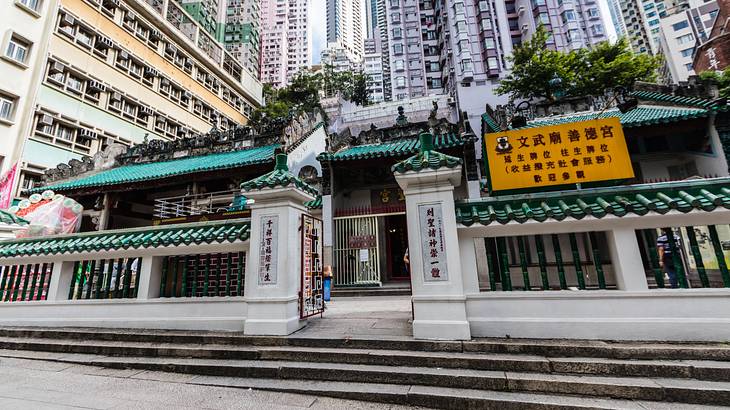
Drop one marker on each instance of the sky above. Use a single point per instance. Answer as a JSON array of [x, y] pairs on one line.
[[319, 25]]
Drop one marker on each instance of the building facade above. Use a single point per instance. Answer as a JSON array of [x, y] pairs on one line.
[[681, 32], [714, 54], [346, 25], [119, 73], [373, 69], [286, 40], [241, 33]]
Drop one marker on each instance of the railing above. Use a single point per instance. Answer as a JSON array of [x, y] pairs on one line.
[[105, 279], [207, 275], [25, 282], [198, 204]]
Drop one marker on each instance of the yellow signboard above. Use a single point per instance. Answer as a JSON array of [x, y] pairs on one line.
[[571, 153]]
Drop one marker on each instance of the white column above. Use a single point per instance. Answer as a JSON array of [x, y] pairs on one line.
[[626, 259], [61, 277], [439, 304], [273, 306], [150, 274]]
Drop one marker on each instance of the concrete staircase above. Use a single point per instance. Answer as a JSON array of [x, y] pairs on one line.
[[484, 373]]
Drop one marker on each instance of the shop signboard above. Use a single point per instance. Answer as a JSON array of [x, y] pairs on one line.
[[268, 250], [312, 286], [431, 222], [570, 153]]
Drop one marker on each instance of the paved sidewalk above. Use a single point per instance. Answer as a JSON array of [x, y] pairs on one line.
[[33, 384], [383, 317]]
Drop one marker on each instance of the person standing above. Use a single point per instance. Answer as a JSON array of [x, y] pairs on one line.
[[666, 256]]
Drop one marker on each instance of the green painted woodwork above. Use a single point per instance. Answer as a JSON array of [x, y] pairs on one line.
[[504, 264], [720, 255], [11, 219], [314, 204], [42, 283], [174, 271], [5, 272], [712, 105], [81, 279], [228, 275], [219, 276], [74, 278], [576, 261], [99, 279], [683, 196], [108, 282], [25, 282], [186, 261], [279, 177], [92, 271], [127, 278], [163, 278], [239, 281], [542, 261], [118, 282], [134, 173], [676, 258], [596, 253], [196, 270], [697, 255], [206, 279], [654, 258], [559, 261], [523, 263], [490, 244], [426, 158], [209, 232], [18, 279], [393, 149]]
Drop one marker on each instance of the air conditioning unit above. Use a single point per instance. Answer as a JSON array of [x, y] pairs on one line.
[[67, 20], [525, 27], [56, 67], [87, 134], [520, 9], [155, 35], [116, 96], [165, 81], [130, 16], [187, 95], [188, 64], [104, 42], [96, 85], [146, 110], [123, 55], [110, 3], [151, 72], [67, 30], [170, 48], [45, 119]]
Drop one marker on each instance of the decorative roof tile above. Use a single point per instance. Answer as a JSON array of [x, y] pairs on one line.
[[135, 238], [714, 105], [639, 116], [427, 158], [684, 196], [314, 204], [280, 176], [399, 148], [157, 170]]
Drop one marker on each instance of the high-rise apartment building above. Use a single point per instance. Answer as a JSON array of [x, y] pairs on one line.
[[371, 19], [286, 40], [373, 69], [345, 26], [681, 32], [641, 19], [119, 72]]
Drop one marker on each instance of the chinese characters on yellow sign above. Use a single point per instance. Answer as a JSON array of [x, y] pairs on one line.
[[571, 153]]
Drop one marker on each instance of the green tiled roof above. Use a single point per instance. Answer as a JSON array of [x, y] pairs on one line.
[[11, 219], [427, 158], [315, 203], [684, 196], [136, 238], [156, 170], [280, 176], [491, 124], [399, 148], [639, 116], [680, 100]]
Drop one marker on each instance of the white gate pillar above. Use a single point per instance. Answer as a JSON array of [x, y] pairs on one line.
[[150, 274], [61, 277], [626, 259], [439, 302], [273, 268]]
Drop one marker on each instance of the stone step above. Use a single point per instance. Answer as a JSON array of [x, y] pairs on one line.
[[371, 291], [538, 347], [688, 391], [696, 369]]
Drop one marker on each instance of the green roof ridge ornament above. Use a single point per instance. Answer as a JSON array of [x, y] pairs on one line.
[[427, 157], [279, 177]]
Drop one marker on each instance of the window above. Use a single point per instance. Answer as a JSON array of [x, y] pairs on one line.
[[74, 84], [17, 49], [7, 107], [398, 49], [397, 32], [489, 43], [395, 17], [30, 4], [65, 133], [492, 63], [394, 3], [466, 65], [568, 15], [461, 27], [399, 65], [543, 19], [592, 12], [573, 35], [486, 24], [681, 25], [597, 30], [400, 81], [687, 52], [687, 38], [484, 5], [459, 8], [688, 66]]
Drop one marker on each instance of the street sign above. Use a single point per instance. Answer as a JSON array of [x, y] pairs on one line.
[[570, 153]]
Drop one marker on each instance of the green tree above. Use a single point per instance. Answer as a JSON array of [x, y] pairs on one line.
[[722, 78], [541, 73]]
